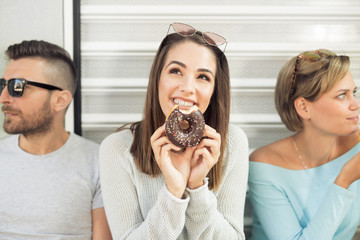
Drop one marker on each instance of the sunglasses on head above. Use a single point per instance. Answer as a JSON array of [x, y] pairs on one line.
[[16, 86], [210, 38], [311, 56]]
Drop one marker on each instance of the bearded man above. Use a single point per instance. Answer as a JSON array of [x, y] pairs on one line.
[[49, 178]]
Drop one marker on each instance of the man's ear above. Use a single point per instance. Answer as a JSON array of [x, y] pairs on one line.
[[302, 107], [62, 99]]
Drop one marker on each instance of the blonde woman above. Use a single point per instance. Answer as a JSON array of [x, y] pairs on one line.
[[305, 186]]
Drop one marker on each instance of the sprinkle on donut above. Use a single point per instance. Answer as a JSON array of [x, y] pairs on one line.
[[185, 128]]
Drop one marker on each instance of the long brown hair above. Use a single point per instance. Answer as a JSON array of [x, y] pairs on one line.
[[216, 115]]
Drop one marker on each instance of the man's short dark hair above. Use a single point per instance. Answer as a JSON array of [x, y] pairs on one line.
[[57, 56]]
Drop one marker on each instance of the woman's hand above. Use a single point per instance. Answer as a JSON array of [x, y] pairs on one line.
[[349, 173], [174, 165], [206, 155]]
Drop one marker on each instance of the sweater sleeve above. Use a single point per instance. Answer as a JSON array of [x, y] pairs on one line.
[[220, 215], [274, 211], [166, 218]]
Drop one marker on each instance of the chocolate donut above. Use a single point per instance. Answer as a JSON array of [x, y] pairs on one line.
[[185, 128]]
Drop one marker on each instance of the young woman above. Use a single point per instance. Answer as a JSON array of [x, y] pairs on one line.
[[152, 189], [305, 186]]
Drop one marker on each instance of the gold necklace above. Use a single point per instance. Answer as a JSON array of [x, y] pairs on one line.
[[297, 151]]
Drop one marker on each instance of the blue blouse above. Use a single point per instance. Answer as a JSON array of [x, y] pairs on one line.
[[303, 204]]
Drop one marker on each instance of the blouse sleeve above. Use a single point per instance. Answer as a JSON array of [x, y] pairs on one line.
[[220, 215], [278, 219], [165, 220]]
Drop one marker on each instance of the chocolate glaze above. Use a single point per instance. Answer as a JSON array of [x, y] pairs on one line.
[[188, 137]]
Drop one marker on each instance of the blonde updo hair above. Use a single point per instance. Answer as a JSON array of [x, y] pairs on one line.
[[312, 79]]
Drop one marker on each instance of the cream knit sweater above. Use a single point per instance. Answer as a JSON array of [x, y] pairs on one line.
[[139, 206]]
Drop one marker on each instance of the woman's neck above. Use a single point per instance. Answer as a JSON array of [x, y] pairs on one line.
[[314, 150]]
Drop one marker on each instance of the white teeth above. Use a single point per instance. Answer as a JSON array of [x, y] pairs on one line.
[[183, 103]]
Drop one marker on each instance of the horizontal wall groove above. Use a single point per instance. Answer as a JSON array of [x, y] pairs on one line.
[[110, 118], [249, 49], [140, 84], [213, 12]]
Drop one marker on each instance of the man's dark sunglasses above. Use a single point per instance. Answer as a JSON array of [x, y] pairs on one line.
[[16, 86]]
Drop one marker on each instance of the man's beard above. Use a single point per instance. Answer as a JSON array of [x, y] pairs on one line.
[[36, 123]]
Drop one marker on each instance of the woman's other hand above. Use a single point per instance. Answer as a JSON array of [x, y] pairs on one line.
[[349, 173], [206, 155], [172, 161]]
